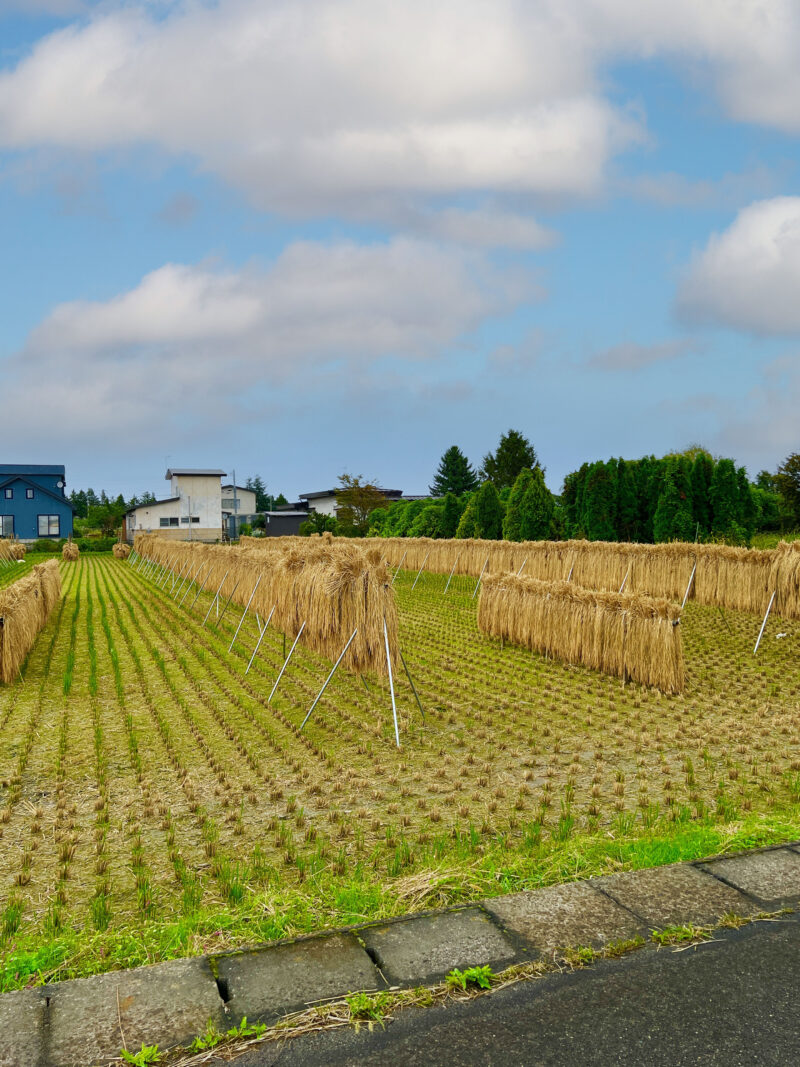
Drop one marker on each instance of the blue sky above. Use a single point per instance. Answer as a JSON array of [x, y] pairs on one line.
[[298, 238]]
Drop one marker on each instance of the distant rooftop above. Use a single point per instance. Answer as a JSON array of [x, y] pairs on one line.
[[196, 471], [32, 468], [339, 489]]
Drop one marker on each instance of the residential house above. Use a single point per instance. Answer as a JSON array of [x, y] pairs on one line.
[[324, 502], [192, 512], [33, 502]]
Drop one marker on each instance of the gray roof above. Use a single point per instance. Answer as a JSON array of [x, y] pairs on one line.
[[199, 471], [153, 504], [333, 492]]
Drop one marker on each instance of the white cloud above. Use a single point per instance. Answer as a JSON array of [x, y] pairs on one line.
[[488, 227], [632, 356], [748, 276], [190, 343]]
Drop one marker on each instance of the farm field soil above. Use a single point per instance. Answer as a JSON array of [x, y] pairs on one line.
[[153, 804]]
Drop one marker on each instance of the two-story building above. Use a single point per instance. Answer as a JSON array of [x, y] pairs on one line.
[[33, 502], [193, 511]]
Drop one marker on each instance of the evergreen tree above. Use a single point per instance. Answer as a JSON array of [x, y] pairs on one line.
[[673, 516], [281, 501], [428, 523], [488, 513], [787, 482], [512, 523], [513, 454], [454, 474], [748, 509], [537, 509], [599, 504], [467, 524], [627, 502], [260, 489], [700, 477], [569, 502], [451, 515], [724, 493]]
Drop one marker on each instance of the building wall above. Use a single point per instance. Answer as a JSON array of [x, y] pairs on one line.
[[205, 507], [26, 511], [245, 501], [324, 505], [204, 493]]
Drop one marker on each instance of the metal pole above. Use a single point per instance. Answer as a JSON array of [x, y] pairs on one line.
[[175, 578], [391, 682], [200, 589], [286, 662], [249, 602], [162, 584], [764, 624], [193, 581], [422, 568], [183, 583], [411, 682], [399, 565], [227, 603], [727, 624], [624, 580], [689, 586], [452, 572], [327, 680], [519, 572], [216, 595], [475, 590], [260, 639], [569, 576]]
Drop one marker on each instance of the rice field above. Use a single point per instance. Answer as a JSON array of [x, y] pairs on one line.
[[152, 802]]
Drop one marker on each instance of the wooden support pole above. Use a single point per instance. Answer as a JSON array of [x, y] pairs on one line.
[[422, 568], [764, 623], [286, 662], [475, 590], [391, 684], [216, 595], [452, 572], [328, 679], [260, 639], [247, 608], [689, 586], [411, 683], [399, 565]]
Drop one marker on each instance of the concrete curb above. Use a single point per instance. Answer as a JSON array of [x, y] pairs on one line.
[[88, 1020]]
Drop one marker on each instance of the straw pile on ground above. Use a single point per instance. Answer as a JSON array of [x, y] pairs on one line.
[[626, 635], [25, 607], [6, 551], [70, 552], [121, 550], [334, 587], [18, 550]]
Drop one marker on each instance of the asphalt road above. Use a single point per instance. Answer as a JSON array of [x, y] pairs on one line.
[[734, 1002]]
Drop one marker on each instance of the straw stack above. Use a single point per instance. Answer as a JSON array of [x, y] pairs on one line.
[[626, 635], [70, 552], [18, 550], [334, 587], [121, 550], [6, 551], [25, 607]]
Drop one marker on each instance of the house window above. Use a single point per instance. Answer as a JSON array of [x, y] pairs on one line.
[[49, 526], [9, 494], [167, 521], [185, 519], [6, 525], [29, 494]]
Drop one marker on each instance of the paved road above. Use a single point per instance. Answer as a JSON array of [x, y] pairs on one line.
[[734, 1003]]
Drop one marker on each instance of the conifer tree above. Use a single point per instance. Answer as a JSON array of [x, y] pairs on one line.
[[724, 494], [514, 453], [488, 513], [451, 515], [673, 517], [599, 504], [512, 523], [454, 474], [700, 477]]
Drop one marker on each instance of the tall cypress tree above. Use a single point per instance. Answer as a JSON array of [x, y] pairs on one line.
[[537, 509], [600, 504], [724, 493], [454, 474], [514, 454], [512, 523], [701, 475], [451, 515], [748, 508], [488, 513], [673, 516], [627, 502]]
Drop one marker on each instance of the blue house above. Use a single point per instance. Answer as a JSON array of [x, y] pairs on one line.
[[33, 502]]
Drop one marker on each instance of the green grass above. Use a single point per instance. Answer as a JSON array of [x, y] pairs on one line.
[[770, 540], [153, 805]]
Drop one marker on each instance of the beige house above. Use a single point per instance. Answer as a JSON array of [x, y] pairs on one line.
[[192, 512]]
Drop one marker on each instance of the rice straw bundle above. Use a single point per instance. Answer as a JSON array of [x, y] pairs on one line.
[[625, 634], [333, 586], [70, 552], [6, 550], [121, 550], [18, 550], [785, 579], [25, 607]]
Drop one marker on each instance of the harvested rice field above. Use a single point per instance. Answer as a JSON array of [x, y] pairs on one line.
[[153, 804]]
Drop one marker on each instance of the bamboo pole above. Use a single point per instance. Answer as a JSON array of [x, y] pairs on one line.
[[216, 595], [260, 639], [286, 662], [328, 679], [689, 586], [422, 568], [764, 623], [452, 572], [475, 590], [247, 608], [391, 684], [411, 683]]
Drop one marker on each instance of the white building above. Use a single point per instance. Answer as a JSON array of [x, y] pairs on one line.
[[236, 500], [193, 511], [324, 502]]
